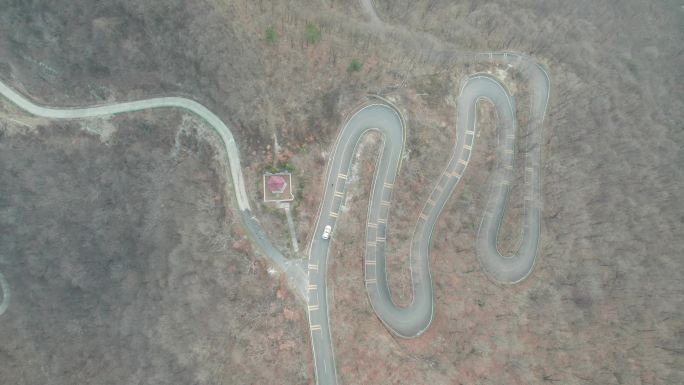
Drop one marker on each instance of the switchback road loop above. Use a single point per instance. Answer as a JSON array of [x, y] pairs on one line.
[[413, 320]]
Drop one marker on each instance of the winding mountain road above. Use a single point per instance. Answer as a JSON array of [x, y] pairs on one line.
[[310, 281]]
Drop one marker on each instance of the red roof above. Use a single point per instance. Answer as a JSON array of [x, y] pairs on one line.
[[276, 184]]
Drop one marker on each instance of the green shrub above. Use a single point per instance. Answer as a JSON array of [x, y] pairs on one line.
[[288, 167], [271, 36], [313, 34], [354, 66], [631, 66], [280, 167]]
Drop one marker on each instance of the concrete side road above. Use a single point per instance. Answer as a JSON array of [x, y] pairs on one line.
[[295, 273]]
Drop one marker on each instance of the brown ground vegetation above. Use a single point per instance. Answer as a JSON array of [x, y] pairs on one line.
[[604, 303], [127, 264]]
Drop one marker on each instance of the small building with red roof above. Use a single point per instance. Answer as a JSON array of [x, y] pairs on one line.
[[277, 187], [276, 184]]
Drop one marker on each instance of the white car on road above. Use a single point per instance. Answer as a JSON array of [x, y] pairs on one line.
[[326, 232]]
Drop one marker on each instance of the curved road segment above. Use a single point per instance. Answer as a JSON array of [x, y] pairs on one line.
[[516, 267], [413, 320]]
